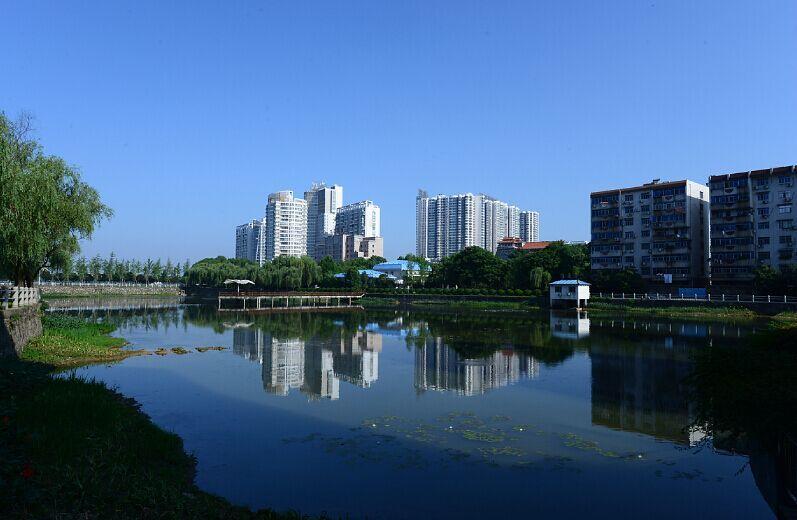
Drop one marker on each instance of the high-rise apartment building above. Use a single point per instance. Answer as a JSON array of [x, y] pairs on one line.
[[247, 240], [752, 223], [660, 229], [529, 227], [285, 226], [445, 224], [360, 218], [322, 206]]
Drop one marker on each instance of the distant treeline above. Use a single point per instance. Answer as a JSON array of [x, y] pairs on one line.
[[113, 269]]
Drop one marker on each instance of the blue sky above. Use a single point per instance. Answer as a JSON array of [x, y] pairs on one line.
[[185, 115]]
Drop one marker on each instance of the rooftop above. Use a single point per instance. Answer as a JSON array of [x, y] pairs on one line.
[[569, 282]]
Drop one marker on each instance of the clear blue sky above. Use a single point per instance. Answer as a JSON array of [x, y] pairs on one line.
[[185, 115]]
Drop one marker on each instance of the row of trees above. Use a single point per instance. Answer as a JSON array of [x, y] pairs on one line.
[[45, 207], [114, 269], [283, 273]]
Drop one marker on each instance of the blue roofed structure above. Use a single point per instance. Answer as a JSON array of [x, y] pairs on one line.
[[370, 273], [569, 282]]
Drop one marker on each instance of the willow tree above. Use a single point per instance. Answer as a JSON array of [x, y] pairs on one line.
[[45, 207]]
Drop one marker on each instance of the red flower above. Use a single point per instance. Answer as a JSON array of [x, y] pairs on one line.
[[27, 471]]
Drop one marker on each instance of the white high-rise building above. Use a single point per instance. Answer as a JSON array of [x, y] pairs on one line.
[[322, 205], [360, 218], [286, 226], [513, 221], [247, 240], [445, 224], [529, 228]]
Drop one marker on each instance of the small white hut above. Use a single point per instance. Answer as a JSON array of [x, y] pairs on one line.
[[569, 294]]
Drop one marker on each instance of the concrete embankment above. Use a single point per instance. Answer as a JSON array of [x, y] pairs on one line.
[[17, 328], [71, 291]]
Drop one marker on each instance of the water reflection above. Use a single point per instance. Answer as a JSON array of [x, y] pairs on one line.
[[595, 381], [569, 325], [439, 367], [314, 366]]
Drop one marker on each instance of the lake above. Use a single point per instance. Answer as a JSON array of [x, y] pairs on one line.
[[397, 414]]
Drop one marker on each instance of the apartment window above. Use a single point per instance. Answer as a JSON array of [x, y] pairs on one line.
[[629, 234], [784, 240], [645, 207], [701, 194], [628, 210], [628, 221], [784, 224], [784, 209], [557, 290], [629, 197], [763, 225], [645, 221], [784, 180], [762, 197], [645, 245], [629, 259], [763, 212], [645, 260], [763, 241], [645, 232], [784, 196], [644, 195], [763, 255]]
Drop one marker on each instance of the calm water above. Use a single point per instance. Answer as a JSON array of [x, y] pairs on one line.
[[404, 415]]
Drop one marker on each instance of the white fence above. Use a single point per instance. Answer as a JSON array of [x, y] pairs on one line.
[[737, 298], [13, 297]]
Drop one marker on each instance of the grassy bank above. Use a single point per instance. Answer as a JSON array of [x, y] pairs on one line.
[[68, 341], [71, 448], [675, 311], [431, 303]]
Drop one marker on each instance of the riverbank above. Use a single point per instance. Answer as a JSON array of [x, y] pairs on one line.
[[93, 291], [454, 305], [71, 448], [596, 308]]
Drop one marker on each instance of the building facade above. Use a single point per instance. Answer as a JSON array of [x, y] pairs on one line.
[[529, 226], [360, 218], [248, 240], [322, 206], [446, 224], [286, 226], [346, 247], [660, 229], [752, 223]]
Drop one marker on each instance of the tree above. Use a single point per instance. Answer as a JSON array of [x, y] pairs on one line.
[[95, 268], [45, 207], [539, 278], [473, 267], [147, 269], [81, 268]]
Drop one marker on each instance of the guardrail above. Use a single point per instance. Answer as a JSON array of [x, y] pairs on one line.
[[737, 298], [15, 297]]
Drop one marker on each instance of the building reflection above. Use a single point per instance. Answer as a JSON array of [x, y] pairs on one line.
[[314, 366], [641, 388], [441, 368], [569, 325]]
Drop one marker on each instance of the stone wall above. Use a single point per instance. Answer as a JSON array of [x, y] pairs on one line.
[[109, 290], [17, 328]]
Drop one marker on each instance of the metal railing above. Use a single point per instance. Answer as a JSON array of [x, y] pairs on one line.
[[15, 297], [730, 298]]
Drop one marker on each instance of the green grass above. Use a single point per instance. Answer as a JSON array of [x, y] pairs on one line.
[[694, 312], [69, 341], [431, 303]]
